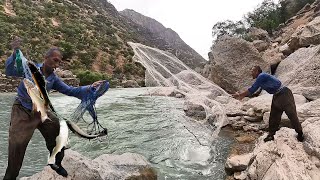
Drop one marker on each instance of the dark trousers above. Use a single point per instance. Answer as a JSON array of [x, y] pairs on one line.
[[283, 101], [22, 125]]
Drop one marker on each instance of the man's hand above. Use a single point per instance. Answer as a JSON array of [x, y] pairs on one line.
[[15, 44], [240, 96], [96, 84], [236, 95]]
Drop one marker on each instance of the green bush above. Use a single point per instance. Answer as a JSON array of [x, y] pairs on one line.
[[67, 48], [89, 77]]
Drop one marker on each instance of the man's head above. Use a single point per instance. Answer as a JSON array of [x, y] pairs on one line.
[[255, 71], [52, 58]]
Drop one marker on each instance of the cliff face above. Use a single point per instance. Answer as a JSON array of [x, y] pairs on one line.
[[165, 39]]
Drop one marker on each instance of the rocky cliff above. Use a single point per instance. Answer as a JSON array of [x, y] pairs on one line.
[[294, 50]]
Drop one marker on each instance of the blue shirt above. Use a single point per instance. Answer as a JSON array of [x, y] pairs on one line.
[[52, 82], [266, 82]]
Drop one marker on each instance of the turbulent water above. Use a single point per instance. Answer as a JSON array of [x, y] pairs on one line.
[[153, 126]]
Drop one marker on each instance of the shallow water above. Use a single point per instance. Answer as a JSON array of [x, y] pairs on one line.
[[156, 127]]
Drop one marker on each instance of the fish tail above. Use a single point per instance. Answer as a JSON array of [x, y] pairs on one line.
[[76, 130], [52, 159]]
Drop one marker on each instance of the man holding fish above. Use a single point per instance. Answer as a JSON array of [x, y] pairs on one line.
[[27, 115]]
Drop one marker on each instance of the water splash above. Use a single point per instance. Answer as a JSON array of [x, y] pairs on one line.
[[163, 69]]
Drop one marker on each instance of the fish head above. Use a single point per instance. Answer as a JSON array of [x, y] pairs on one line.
[[31, 88], [28, 84]]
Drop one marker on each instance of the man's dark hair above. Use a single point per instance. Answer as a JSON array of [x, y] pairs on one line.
[[258, 68], [51, 51]]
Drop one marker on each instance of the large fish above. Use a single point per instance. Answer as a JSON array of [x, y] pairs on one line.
[[40, 82], [38, 103], [41, 103]]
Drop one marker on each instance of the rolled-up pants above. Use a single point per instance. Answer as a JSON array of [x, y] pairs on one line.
[[283, 102], [22, 125]]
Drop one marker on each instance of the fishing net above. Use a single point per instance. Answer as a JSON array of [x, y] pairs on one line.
[[163, 69], [88, 105]]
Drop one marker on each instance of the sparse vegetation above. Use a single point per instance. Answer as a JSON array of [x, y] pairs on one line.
[[81, 29], [268, 16]]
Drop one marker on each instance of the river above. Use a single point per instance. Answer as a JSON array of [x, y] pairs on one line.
[[153, 126]]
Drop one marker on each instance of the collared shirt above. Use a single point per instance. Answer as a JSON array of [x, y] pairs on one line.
[[267, 82], [52, 82]]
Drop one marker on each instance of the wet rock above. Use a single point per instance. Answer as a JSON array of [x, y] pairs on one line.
[[130, 84], [195, 111], [245, 139], [240, 175]]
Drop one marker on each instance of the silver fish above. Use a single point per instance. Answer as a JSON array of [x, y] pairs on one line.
[[38, 103]]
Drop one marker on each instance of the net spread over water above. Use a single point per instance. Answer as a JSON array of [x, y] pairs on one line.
[[165, 70]]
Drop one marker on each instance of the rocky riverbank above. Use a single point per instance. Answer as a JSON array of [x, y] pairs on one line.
[[128, 166], [293, 54]]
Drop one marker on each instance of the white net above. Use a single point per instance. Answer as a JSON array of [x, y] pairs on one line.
[[165, 70]]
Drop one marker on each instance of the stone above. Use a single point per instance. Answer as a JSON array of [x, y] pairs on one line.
[[238, 163], [106, 166], [285, 154], [195, 111], [240, 175], [300, 72], [233, 60], [130, 84], [260, 45]]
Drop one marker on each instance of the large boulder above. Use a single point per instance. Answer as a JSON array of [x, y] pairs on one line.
[[300, 72], [272, 56], [260, 45], [258, 34], [306, 35], [232, 60], [106, 166], [263, 103], [309, 110], [312, 145]]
